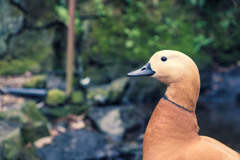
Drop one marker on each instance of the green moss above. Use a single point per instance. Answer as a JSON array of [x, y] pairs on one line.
[[36, 127], [55, 97], [12, 145], [63, 111], [77, 97], [32, 112], [14, 115], [38, 81], [107, 94], [16, 66], [29, 51], [98, 95], [10, 140], [34, 131]]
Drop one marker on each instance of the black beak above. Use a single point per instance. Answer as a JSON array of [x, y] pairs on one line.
[[146, 70]]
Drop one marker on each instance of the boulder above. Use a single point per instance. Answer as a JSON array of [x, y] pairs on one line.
[[23, 57], [32, 124], [39, 13], [36, 126], [11, 22], [55, 81], [10, 140], [14, 115], [144, 89], [75, 145], [119, 121], [109, 93], [126, 150]]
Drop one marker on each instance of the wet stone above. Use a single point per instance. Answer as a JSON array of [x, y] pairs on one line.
[[75, 145]]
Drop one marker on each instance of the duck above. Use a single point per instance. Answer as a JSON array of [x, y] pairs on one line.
[[172, 131]]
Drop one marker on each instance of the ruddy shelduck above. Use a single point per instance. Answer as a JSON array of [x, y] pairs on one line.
[[172, 131]]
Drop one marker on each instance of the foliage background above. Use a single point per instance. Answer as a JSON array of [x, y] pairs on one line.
[[116, 33]]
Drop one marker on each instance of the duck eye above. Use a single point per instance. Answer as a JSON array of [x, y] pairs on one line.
[[163, 59]]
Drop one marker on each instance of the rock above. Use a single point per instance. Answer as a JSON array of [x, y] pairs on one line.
[[20, 46], [36, 127], [118, 121], [109, 93], [10, 140], [31, 111], [11, 22], [55, 97], [126, 150], [144, 89], [14, 115], [117, 88], [38, 13], [75, 145], [55, 81], [103, 72], [33, 123], [38, 81], [98, 95]]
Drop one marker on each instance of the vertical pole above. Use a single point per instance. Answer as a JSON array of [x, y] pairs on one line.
[[70, 47]]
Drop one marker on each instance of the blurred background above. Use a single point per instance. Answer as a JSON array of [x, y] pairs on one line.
[[103, 114]]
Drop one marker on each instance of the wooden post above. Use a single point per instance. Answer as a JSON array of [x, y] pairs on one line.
[[70, 47]]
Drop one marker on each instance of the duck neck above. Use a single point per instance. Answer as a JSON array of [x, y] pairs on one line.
[[184, 93], [169, 129]]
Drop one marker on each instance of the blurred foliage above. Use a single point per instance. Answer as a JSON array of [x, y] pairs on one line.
[[122, 32], [134, 30], [62, 12]]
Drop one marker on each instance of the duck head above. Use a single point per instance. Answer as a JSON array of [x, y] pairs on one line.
[[178, 72]]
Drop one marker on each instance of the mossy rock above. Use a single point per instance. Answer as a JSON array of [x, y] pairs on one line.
[[117, 89], [38, 81], [77, 97], [53, 113], [31, 111], [98, 95], [39, 12], [34, 131], [108, 94], [36, 127], [10, 24], [14, 115], [55, 97], [144, 89], [10, 140]]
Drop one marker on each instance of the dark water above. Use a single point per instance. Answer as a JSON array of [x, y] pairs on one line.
[[221, 123]]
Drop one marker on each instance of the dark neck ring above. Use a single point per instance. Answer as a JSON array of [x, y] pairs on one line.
[[185, 109]]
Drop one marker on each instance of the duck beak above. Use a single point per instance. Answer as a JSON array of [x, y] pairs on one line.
[[146, 70]]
